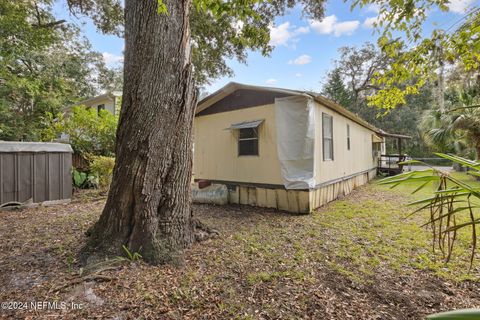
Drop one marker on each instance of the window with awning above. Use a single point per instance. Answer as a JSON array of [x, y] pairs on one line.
[[246, 125], [247, 137]]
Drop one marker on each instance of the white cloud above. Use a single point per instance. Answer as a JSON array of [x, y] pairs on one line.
[[325, 26], [111, 58], [346, 27], [284, 33], [280, 35], [330, 25], [271, 82], [303, 59], [370, 22], [298, 75], [459, 6], [302, 30]]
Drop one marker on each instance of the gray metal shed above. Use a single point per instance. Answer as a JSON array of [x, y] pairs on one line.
[[35, 170]]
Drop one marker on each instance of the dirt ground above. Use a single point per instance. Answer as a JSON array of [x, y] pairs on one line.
[[265, 265]]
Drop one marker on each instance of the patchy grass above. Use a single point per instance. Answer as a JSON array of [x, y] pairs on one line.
[[372, 235], [355, 258], [458, 269]]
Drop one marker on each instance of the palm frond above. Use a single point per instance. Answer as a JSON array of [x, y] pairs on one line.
[[452, 198]]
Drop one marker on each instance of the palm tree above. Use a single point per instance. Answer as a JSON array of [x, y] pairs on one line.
[[457, 129]]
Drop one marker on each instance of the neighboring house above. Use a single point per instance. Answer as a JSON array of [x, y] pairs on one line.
[[286, 149], [108, 101]]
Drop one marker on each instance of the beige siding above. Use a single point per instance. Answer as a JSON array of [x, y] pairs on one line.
[[346, 162], [109, 104], [216, 150], [333, 191]]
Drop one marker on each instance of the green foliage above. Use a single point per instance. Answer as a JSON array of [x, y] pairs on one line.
[[102, 167], [161, 7], [350, 84], [336, 90], [416, 58], [457, 128], [132, 256], [79, 178], [110, 79], [84, 180], [226, 30], [118, 105], [106, 15], [220, 30], [465, 314], [453, 206], [89, 132], [45, 65]]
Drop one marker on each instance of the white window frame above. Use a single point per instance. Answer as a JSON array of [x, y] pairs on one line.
[[326, 139], [255, 130]]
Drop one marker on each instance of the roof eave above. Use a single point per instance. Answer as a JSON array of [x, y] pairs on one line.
[[232, 86], [108, 95], [394, 135]]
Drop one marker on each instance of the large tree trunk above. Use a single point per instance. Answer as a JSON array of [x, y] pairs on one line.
[[148, 205]]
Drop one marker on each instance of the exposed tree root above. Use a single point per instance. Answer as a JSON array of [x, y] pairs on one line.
[[97, 277]]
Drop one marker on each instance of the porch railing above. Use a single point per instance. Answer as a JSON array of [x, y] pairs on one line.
[[391, 163]]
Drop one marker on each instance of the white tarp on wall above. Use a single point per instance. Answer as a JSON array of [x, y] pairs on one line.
[[295, 117]]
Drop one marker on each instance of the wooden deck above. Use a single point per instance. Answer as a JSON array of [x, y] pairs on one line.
[[389, 164]]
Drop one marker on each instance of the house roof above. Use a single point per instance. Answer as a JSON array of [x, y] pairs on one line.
[[234, 86], [395, 135], [109, 95]]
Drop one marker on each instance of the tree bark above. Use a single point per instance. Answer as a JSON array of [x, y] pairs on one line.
[[148, 208]]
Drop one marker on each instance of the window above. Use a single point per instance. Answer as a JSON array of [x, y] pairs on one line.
[[348, 137], [327, 136], [376, 149], [248, 142], [100, 107]]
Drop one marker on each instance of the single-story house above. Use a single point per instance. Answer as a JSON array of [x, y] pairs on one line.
[[286, 149], [109, 101]]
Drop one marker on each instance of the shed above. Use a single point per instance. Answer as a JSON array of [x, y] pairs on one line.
[[35, 170], [287, 149]]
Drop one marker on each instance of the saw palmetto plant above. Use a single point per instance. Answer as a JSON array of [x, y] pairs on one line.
[[452, 206], [456, 129]]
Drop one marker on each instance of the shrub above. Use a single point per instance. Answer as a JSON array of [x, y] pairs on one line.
[[84, 180], [89, 132], [102, 167]]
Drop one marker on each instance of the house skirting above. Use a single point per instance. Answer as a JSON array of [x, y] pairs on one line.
[[327, 192], [295, 201]]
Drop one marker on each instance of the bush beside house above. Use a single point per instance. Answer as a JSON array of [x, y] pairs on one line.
[[91, 134]]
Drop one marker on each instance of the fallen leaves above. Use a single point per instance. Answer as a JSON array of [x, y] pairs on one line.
[[264, 265]]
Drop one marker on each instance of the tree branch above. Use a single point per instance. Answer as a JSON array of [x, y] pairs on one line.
[[49, 25]]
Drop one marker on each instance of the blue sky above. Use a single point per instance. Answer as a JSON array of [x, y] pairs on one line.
[[304, 50]]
